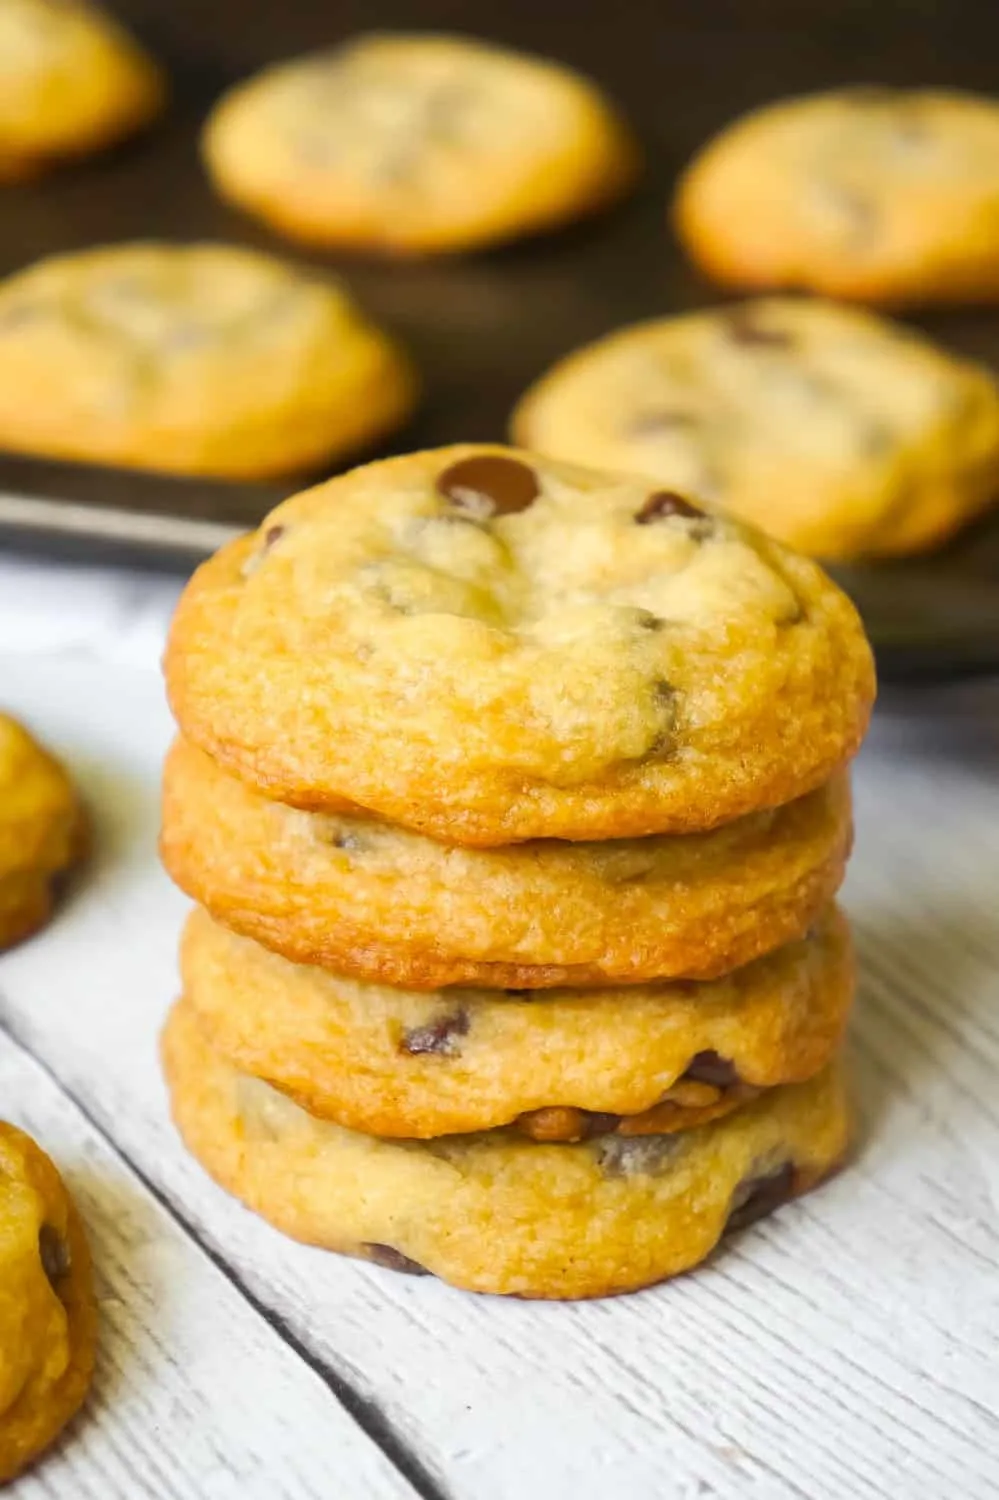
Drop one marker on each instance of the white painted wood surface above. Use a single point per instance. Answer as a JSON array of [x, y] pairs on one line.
[[848, 1348]]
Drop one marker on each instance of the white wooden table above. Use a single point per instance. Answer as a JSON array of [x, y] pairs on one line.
[[848, 1347]]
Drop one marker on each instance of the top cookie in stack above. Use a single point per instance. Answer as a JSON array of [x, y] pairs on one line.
[[477, 718], [489, 647]]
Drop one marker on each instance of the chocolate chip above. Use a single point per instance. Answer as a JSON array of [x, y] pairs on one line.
[[256, 557], [646, 620], [710, 1067], [394, 1260], [663, 504], [489, 485], [350, 842], [54, 1253], [664, 699], [437, 1037], [743, 327], [635, 1155], [759, 1196]]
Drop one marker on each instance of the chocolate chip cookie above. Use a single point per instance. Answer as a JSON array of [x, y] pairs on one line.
[[48, 1315], [200, 359], [490, 647], [880, 194], [417, 144], [71, 82], [561, 1065], [379, 903], [495, 1212], [830, 428], [42, 831]]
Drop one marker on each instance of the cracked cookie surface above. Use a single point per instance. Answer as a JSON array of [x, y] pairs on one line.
[[48, 1315], [491, 647], [417, 144], [832, 429], [496, 1212], [196, 359]]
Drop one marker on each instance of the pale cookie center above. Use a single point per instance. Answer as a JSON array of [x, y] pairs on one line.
[[384, 122]]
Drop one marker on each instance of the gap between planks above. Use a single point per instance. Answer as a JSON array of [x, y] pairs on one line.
[[363, 1411]]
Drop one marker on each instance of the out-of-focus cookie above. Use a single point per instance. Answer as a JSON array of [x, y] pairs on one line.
[[201, 359], [879, 194], [48, 1314], [71, 82], [834, 430], [416, 144], [562, 1065], [495, 1212], [42, 831], [491, 646], [382, 904]]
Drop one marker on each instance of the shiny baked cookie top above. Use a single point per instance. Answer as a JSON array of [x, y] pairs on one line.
[[492, 645]]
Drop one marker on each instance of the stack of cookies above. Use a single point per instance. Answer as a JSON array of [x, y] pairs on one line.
[[513, 796]]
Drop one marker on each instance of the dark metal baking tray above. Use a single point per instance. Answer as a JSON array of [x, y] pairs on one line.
[[483, 327]]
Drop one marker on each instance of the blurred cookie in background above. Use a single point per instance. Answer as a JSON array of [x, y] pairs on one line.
[[71, 82], [838, 432], [879, 194], [196, 359], [417, 144], [48, 1313], [42, 832]]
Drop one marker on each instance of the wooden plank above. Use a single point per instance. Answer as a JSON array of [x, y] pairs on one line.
[[195, 1393], [847, 1348]]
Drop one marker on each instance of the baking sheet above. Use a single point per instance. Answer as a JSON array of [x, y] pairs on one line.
[[483, 327]]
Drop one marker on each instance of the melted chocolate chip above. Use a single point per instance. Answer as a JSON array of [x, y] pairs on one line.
[[489, 485], [759, 1196], [273, 534], [635, 1155], [54, 1253], [666, 503], [438, 1037], [394, 1260], [742, 327], [710, 1067]]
